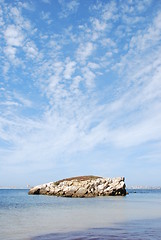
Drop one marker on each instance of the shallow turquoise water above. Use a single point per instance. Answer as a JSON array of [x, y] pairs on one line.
[[23, 216]]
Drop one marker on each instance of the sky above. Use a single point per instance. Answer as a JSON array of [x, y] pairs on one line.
[[80, 90]]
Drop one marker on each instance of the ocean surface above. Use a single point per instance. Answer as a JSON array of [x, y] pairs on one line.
[[35, 217]]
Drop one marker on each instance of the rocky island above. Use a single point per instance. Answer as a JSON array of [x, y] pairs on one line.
[[83, 186]]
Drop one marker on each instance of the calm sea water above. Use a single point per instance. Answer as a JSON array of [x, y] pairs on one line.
[[27, 217]]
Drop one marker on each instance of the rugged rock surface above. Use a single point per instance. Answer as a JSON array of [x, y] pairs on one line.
[[84, 186]]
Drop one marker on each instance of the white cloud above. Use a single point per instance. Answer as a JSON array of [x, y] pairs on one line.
[[53, 82], [6, 65], [13, 36], [69, 69], [11, 54], [149, 37], [53, 86], [140, 133], [9, 103], [93, 65], [84, 51], [108, 42], [98, 25], [110, 11], [31, 49], [16, 16], [68, 7], [1, 17], [26, 5], [89, 77], [22, 100], [75, 88], [109, 54], [141, 5], [46, 17]]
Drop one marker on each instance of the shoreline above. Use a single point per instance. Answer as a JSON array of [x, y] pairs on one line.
[[136, 229]]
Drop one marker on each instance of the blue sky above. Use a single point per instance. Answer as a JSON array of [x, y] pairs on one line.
[[80, 90]]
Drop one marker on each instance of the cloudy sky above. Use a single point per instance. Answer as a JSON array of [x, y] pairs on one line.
[[80, 90]]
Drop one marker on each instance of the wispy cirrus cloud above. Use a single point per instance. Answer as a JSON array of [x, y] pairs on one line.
[[89, 87]]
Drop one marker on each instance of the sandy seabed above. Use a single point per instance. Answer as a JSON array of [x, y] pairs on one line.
[[134, 230]]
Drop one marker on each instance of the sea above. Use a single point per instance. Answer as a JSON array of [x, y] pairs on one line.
[[38, 217]]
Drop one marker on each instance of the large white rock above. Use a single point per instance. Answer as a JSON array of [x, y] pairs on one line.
[[86, 186]]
